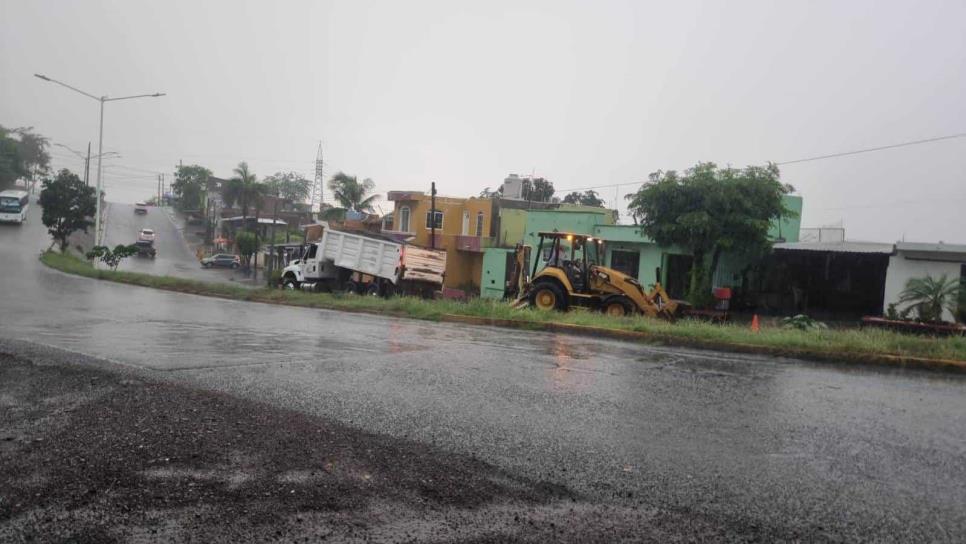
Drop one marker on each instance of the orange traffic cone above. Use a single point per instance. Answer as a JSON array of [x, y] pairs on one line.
[[755, 326]]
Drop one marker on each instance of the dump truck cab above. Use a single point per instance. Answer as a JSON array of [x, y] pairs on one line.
[[568, 272]]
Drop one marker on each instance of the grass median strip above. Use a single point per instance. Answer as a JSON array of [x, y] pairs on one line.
[[826, 344]]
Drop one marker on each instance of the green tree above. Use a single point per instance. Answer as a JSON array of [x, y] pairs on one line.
[[68, 206], [247, 246], [11, 163], [244, 189], [537, 190], [112, 257], [587, 198], [189, 185], [928, 297], [289, 185], [709, 211], [352, 194], [32, 148]]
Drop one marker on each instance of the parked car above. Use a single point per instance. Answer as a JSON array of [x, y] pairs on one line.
[[146, 235], [223, 260], [141, 208]]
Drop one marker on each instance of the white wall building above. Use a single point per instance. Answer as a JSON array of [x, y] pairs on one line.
[[915, 260]]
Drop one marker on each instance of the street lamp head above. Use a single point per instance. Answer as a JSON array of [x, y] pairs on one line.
[[157, 94], [43, 77]]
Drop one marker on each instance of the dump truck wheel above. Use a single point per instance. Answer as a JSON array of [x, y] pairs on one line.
[[617, 307], [290, 284], [548, 296], [350, 288]]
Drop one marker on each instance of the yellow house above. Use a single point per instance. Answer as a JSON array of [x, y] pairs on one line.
[[463, 228]]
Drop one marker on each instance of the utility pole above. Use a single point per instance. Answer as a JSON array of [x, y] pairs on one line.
[[432, 216], [271, 259], [159, 190], [100, 140], [87, 165]]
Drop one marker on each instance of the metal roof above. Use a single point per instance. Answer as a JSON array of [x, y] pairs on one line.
[[838, 247], [937, 248]]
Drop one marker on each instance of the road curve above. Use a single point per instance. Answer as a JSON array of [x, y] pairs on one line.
[[759, 448]]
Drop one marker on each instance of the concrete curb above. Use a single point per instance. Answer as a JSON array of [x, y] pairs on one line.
[[881, 359]]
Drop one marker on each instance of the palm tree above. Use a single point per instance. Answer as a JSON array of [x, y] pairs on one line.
[[928, 297], [351, 194], [244, 188]]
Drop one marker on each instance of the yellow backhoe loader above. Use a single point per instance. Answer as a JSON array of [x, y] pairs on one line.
[[571, 276]]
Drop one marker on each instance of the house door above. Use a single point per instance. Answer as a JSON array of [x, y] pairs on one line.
[[466, 224], [678, 275]]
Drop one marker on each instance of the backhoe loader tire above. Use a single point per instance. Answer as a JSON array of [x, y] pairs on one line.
[[617, 307], [548, 296]]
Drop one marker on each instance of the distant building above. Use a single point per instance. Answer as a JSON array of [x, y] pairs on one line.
[[513, 187]]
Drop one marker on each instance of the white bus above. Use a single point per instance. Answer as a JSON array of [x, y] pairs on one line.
[[13, 206]]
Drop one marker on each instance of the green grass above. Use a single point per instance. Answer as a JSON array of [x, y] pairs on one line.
[[833, 344]]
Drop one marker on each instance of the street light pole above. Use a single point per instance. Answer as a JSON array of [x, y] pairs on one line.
[[100, 141], [97, 195]]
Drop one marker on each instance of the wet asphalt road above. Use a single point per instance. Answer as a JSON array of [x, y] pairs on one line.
[[761, 448], [174, 257]]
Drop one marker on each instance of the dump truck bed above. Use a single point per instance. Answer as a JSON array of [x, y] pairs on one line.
[[368, 255], [422, 264]]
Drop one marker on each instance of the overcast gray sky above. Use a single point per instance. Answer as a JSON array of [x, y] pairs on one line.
[[463, 93]]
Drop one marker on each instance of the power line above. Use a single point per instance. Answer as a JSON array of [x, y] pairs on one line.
[[808, 159], [871, 149]]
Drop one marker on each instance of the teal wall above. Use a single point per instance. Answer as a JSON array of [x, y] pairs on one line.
[[578, 220], [494, 272], [630, 238], [788, 227]]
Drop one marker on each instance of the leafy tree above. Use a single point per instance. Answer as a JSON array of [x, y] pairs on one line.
[[32, 148], [332, 214], [189, 184], [68, 206], [928, 297], [708, 211], [352, 194], [289, 185], [244, 188], [11, 163], [112, 257], [537, 189], [587, 198], [247, 245]]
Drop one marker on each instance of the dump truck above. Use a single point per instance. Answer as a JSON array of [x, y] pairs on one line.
[[572, 277], [366, 263]]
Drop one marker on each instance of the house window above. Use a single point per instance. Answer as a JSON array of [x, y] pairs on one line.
[[466, 224], [387, 222], [404, 219], [479, 224], [437, 219], [627, 262]]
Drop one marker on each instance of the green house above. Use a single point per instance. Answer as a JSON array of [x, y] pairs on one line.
[[625, 247]]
